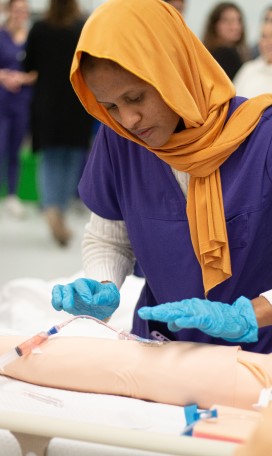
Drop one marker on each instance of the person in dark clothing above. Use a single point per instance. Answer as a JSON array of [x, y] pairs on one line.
[[224, 36], [61, 129]]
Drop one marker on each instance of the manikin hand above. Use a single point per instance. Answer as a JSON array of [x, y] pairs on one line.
[[86, 297], [234, 323]]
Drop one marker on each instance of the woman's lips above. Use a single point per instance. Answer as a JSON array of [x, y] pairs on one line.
[[144, 133]]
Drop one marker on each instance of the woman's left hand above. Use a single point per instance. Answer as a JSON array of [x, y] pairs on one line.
[[234, 323]]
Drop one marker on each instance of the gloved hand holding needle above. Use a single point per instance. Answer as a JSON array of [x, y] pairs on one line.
[[86, 297], [234, 323]]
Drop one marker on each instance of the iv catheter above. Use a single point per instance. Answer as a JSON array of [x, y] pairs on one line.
[[27, 347]]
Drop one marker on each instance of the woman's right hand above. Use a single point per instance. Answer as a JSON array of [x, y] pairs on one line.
[[10, 80], [86, 297]]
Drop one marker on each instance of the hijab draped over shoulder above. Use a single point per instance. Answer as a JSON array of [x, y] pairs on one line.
[[150, 39]]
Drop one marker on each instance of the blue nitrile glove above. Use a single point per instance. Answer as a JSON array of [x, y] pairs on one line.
[[86, 297], [234, 323]]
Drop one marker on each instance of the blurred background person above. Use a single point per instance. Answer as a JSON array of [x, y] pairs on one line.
[[255, 76], [178, 4], [225, 37], [266, 18], [61, 128], [268, 14], [15, 95]]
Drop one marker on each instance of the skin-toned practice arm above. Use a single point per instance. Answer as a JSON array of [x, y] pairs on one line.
[[260, 442], [177, 373]]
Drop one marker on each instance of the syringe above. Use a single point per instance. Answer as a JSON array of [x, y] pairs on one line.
[[27, 347]]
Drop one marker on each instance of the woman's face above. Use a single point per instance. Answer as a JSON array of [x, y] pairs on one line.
[[229, 28], [133, 103], [19, 11]]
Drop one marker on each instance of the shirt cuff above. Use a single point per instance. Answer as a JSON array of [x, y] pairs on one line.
[[267, 295]]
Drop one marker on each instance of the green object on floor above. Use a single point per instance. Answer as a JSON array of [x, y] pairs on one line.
[[27, 186]]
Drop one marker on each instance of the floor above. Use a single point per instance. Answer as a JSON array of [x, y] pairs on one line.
[[28, 250]]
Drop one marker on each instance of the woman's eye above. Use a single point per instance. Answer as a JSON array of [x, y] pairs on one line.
[[135, 100], [111, 107]]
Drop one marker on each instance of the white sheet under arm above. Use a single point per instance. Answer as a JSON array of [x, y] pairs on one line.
[[106, 250]]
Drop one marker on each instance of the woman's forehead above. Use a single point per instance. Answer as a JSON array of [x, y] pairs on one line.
[[105, 78]]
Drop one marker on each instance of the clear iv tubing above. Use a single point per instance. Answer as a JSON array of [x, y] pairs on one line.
[[29, 345]]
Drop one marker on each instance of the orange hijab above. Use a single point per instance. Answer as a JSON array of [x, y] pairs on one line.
[[150, 39]]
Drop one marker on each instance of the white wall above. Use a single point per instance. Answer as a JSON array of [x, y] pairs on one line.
[[40, 5], [196, 12]]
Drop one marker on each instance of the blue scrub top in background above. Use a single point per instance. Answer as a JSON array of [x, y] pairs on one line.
[[11, 57]]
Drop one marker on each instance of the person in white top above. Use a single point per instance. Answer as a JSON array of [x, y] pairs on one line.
[[255, 76]]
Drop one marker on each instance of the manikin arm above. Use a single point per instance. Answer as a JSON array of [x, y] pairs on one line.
[[177, 373]]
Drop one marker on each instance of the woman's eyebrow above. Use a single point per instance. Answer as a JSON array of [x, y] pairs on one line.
[[104, 102], [125, 94]]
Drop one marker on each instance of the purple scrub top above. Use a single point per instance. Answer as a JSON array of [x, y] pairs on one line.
[[11, 57], [124, 181]]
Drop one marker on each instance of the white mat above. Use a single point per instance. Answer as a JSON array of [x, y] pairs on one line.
[[25, 307]]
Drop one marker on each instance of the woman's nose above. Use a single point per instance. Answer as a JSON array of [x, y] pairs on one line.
[[129, 118]]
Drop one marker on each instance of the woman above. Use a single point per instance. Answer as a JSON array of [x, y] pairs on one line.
[[255, 76], [61, 127], [225, 37], [266, 19], [15, 95], [180, 176]]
